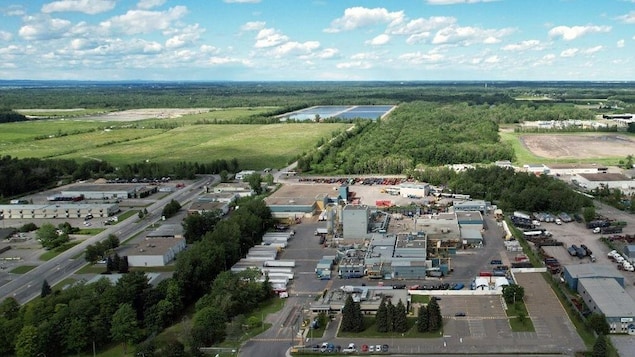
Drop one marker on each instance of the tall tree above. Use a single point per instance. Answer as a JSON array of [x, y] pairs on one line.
[[124, 328], [381, 318], [401, 319], [348, 315], [513, 293], [390, 316], [434, 316], [600, 347], [255, 181], [422, 319], [46, 289]]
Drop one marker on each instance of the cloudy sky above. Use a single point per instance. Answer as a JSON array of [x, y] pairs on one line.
[[267, 40]]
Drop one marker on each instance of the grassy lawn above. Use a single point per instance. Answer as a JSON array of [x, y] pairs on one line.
[[126, 215], [22, 269], [90, 231], [92, 269], [422, 299], [55, 252], [521, 325], [63, 283]]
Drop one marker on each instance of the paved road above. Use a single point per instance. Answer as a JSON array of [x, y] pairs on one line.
[[27, 286]]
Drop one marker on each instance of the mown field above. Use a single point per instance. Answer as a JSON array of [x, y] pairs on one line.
[[168, 140]]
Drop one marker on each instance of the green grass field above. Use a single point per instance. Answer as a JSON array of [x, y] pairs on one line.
[[188, 142], [22, 269]]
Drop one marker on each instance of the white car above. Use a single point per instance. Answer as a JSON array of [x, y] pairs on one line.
[[371, 348]]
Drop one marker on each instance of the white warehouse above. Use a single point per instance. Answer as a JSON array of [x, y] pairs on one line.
[[154, 252], [414, 190]]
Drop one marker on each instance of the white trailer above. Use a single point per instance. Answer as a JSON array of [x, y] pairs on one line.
[[267, 270], [278, 245], [289, 276], [275, 240], [262, 253], [276, 280], [321, 231], [261, 258], [280, 263]]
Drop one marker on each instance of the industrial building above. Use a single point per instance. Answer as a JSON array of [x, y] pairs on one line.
[[298, 200], [200, 207], [471, 225], [59, 210], [607, 296], [153, 252], [167, 231], [239, 188], [355, 222], [572, 273], [368, 297], [244, 174], [475, 205], [397, 256], [575, 169], [610, 180], [414, 190], [103, 191]]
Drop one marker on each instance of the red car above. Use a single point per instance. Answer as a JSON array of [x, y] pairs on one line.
[[364, 348]]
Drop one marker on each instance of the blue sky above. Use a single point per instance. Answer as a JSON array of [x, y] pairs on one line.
[[293, 40]]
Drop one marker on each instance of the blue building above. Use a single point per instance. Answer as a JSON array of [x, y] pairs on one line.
[[572, 273]]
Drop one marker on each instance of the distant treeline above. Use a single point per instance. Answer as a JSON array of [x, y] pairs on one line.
[[8, 116], [22, 176]]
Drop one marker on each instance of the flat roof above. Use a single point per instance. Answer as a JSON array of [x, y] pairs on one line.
[[609, 296], [298, 195], [167, 230], [206, 205], [152, 246], [103, 187], [469, 216], [58, 206], [471, 233], [593, 271], [605, 177], [355, 207], [575, 166], [233, 185]]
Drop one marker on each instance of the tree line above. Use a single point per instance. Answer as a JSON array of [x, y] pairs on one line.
[[9, 116], [22, 176], [508, 189], [69, 321]]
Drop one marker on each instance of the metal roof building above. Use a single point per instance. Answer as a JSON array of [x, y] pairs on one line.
[[606, 296], [572, 273]]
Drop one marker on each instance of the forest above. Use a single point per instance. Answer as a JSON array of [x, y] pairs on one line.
[[508, 189], [69, 321]]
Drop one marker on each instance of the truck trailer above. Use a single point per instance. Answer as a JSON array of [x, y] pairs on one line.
[[280, 263]]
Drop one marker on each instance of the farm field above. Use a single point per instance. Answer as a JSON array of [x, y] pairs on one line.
[[589, 148], [255, 146]]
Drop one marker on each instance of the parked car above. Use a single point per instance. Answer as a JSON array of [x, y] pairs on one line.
[[460, 314]]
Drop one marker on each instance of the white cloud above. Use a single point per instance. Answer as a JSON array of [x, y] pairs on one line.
[[354, 65], [620, 43], [149, 4], [269, 38], [379, 40], [90, 7], [469, 35], [5, 36], [242, 1], [43, 27], [365, 56], [419, 29], [327, 53], [13, 10], [546, 60], [421, 58], [356, 17], [628, 18], [593, 50], [569, 52], [524, 46], [297, 48], [253, 26], [571, 33], [453, 2], [143, 21], [208, 49], [184, 36], [492, 59]]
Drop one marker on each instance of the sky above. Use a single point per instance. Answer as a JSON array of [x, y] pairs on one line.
[[317, 40]]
